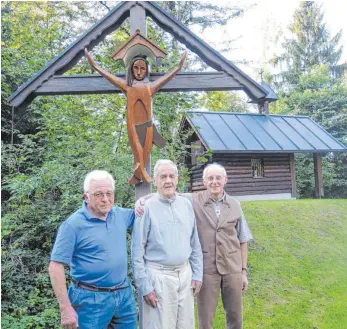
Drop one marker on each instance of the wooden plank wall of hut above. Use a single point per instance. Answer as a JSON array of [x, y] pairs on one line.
[[277, 174]]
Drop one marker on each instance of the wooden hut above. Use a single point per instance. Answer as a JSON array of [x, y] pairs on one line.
[[257, 151]]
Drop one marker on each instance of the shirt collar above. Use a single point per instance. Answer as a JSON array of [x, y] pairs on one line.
[[221, 200], [87, 213], [165, 200]]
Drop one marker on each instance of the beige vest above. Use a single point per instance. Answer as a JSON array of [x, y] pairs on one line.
[[220, 244]]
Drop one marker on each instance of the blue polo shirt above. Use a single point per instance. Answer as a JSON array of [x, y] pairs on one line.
[[95, 249]]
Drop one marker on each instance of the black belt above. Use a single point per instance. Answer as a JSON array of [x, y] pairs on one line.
[[95, 288]]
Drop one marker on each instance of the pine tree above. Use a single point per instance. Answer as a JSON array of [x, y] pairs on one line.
[[312, 84], [310, 46]]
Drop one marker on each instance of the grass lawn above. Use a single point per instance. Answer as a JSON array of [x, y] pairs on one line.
[[297, 265]]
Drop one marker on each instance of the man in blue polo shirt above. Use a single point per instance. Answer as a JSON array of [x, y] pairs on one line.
[[93, 242]]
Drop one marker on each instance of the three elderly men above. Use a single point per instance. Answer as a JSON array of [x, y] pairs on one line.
[[167, 257]]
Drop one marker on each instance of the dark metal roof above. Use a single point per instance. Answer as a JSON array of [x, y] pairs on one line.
[[257, 133], [72, 54]]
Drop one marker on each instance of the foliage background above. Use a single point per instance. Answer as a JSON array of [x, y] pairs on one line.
[[59, 139], [312, 81]]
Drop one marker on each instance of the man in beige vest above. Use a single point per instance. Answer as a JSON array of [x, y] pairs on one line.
[[223, 234]]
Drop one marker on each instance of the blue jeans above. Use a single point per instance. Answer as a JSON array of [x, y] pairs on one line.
[[104, 310]]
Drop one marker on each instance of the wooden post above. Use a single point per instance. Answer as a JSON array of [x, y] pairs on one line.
[[144, 188], [292, 174], [318, 175], [138, 22]]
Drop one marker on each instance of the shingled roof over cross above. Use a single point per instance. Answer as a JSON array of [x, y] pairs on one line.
[[49, 80]]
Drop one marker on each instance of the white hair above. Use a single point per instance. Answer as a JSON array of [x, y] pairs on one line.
[[214, 166], [97, 175], [163, 162]]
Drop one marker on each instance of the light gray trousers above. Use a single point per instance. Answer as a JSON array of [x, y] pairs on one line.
[[175, 307]]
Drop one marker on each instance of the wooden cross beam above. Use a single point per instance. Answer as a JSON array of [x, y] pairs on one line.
[[138, 11], [97, 84]]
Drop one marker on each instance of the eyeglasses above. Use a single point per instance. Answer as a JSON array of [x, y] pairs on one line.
[[100, 195]]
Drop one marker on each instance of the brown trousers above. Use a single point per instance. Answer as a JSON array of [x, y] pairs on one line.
[[231, 288]]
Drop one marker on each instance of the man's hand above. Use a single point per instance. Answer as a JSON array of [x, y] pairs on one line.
[[196, 286], [244, 281], [69, 318], [139, 207], [151, 299]]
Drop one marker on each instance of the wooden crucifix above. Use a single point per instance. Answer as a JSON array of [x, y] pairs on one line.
[[139, 92]]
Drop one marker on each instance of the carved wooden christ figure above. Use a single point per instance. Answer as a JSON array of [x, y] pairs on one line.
[[139, 92]]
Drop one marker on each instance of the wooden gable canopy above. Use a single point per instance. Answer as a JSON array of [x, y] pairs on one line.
[[50, 81], [140, 45]]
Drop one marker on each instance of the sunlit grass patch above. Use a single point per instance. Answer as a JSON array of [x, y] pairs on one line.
[[297, 265]]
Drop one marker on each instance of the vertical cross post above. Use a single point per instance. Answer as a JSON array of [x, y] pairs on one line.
[[138, 22]]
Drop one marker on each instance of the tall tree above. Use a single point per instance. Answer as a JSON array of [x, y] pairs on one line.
[[310, 45], [324, 99], [225, 101], [312, 84]]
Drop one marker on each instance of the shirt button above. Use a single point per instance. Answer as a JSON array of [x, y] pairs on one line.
[[219, 257], [218, 230], [219, 244]]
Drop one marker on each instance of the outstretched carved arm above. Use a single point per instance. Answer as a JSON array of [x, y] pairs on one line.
[[121, 83], [168, 76]]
